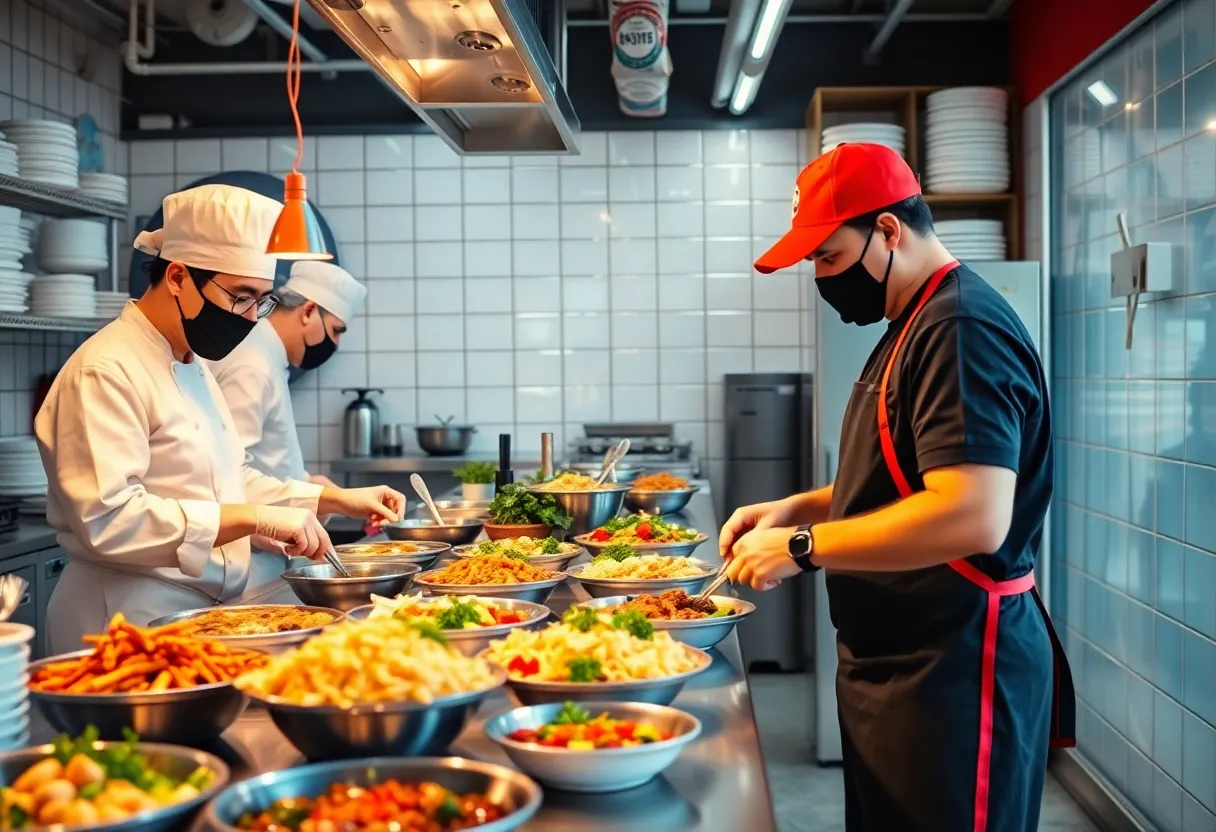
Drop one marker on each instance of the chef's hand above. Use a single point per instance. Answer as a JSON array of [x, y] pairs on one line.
[[757, 516], [377, 503], [317, 479], [761, 558], [297, 528]]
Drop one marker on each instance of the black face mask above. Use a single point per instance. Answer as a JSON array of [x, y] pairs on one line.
[[854, 293], [214, 331], [317, 354]]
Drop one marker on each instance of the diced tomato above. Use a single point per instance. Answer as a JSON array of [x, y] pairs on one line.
[[509, 617], [523, 735], [624, 730], [525, 667], [600, 535], [643, 531]]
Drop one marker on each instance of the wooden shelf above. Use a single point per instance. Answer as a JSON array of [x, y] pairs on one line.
[[904, 106]]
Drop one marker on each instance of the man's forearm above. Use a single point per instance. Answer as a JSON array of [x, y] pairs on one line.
[[925, 529], [814, 505], [236, 521]]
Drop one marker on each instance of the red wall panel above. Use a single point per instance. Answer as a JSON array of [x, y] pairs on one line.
[[1050, 37]]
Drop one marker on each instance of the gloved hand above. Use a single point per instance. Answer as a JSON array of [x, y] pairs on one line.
[[297, 528], [377, 503]]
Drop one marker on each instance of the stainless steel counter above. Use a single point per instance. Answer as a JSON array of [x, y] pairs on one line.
[[718, 783], [31, 536]]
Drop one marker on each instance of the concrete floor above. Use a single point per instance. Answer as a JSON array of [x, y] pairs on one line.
[[808, 797]]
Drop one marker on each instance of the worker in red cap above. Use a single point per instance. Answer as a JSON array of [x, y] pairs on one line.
[[951, 680]]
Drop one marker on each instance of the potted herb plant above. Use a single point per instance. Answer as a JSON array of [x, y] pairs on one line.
[[476, 481], [516, 512]]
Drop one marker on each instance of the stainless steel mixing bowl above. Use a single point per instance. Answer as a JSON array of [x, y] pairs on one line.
[[473, 640], [599, 770], [189, 716], [659, 502], [677, 550], [445, 440], [555, 563], [427, 552], [405, 729], [604, 587], [535, 591], [703, 633], [456, 532], [320, 584], [623, 472], [171, 760], [508, 788], [589, 509], [269, 642]]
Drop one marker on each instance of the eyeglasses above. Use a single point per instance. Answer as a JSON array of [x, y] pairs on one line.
[[242, 304]]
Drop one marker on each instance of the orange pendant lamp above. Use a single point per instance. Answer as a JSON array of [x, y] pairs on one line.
[[297, 233]]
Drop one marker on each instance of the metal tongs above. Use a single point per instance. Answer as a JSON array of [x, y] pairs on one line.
[[611, 458], [331, 557], [719, 579]]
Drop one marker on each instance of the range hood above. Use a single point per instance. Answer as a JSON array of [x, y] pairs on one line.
[[477, 71]]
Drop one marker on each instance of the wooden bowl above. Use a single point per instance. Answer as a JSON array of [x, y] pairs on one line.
[[536, 531]]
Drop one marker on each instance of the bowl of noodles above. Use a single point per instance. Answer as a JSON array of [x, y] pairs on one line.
[[660, 493], [369, 688], [690, 620], [544, 552], [622, 570], [469, 622], [593, 655], [421, 553], [587, 503], [493, 576]]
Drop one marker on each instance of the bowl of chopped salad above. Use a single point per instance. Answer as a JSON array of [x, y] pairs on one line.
[[82, 783], [646, 533], [620, 569], [469, 622], [593, 746], [698, 622], [544, 552]]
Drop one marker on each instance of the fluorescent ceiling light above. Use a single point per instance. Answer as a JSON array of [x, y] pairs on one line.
[[770, 17], [745, 93], [1103, 94]]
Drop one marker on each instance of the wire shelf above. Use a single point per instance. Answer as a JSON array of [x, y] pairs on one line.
[[44, 199], [11, 320]]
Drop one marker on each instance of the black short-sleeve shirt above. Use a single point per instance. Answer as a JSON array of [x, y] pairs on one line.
[[968, 386]]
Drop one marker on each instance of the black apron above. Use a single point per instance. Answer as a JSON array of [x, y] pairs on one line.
[[945, 722]]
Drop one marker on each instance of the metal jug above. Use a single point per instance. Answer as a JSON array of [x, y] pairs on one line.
[[360, 423]]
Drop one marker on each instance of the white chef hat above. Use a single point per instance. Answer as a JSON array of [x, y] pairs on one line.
[[220, 228], [331, 287]]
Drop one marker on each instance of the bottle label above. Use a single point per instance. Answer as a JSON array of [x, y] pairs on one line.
[[641, 64]]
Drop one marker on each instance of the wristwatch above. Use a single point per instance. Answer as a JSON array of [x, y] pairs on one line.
[[802, 545]]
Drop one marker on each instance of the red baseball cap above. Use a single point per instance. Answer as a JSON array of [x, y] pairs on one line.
[[852, 180]]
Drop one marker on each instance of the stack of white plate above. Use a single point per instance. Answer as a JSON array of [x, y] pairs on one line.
[[74, 245], [14, 678], [967, 141], [8, 157], [14, 290], [973, 239], [46, 151], [14, 243], [891, 135], [21, 473], [104, 186], [110, 304], [63, 296]]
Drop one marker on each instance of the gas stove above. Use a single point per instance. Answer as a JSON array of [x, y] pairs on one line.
[[652, 445]]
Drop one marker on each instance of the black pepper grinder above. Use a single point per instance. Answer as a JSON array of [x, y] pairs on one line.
[[504, 474]]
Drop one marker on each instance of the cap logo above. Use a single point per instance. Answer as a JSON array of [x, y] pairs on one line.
[[797, 196]]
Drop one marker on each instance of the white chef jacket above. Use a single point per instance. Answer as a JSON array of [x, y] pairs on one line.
[[140, 451], [253, 378]]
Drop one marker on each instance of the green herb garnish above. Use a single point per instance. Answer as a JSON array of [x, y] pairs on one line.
[[476, 473], [617, 552], [448, 810], [457, 615], [515, 505], [635, 623], [580, 618], [488, 547], [585, 669], [18, 817], [429, 629], [549, 546], [572, 714], [289, 812], [721, 612]]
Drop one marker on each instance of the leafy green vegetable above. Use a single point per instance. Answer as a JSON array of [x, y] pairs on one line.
[[580, 618], [585, 669], [635, 623], [617, 552], [513, 554], [488, 547], [429, 629], [515, 505], [658, 526], [549, 546], [123, 761], [289, 812], [90, 790], [18, 817], [457, 615], [476, 473], [448, 810], [721, 612], [572, 714]]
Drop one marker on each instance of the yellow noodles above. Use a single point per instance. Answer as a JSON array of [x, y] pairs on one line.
[[644, 567]]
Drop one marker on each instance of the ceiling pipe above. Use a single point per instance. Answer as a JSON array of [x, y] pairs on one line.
[[146, 48], [896, 16], [739, 26], [137, 67], [760, 48], [998, 8], [276, 22], [929, 17]]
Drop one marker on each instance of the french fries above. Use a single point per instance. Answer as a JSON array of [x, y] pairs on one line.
[[130, 659]]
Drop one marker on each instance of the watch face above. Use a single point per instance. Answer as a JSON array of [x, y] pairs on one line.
[[800, 544]]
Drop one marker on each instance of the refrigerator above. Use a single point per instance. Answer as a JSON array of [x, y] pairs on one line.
[[769, 455], [843, 350]]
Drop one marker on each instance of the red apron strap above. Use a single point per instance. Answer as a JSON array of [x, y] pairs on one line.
[[1063, 719]]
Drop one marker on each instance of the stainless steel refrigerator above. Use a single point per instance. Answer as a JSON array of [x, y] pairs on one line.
[[770, 455]]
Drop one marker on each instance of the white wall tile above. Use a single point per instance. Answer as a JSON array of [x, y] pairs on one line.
[[634, 329], [680, 219], [282, 152], [635, 403], [491, 404], [390, 260], [197, 156], [637, 292], [341, 187], [730, 291], [439, 333], [535, 222], [538, 330], [776, 329], [631, 148], [488, 294], [679, 184], [487, 186], [243, 154], [486, 259], [440, 369], [584, 257], [584, 184], [152, 157], [486, 222], [682, 329], [635, 366], [488, 332], [389, 187], [725, 146], [777, 360], [443, 402], [682, 366], [727, 183], [390, 297], [681, 292], [538, 404], [534, 185], [390, 333], [485, 369], [438, 259], [774, 182], [587, 404], [631, 184], [439, 222], [585, 221], [682, 402], [633, 219], [585, 329], [439, 295], [391, 369], [728, 220], [534, 367], [437, 187], [344, 369], [537, 257], [633, 256], [392, 152], [340, 153], [678, 147], [587, 368], [593, 150], [728, 329], [774, 146], [431, 152], [683, 256]]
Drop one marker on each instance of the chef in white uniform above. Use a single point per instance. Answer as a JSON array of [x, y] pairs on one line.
[[314, 308], [148, 489]]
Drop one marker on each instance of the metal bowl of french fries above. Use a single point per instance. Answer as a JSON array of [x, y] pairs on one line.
[[166, 687]]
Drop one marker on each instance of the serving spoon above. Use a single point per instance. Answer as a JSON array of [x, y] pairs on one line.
[[12, 590], [425, 494], [611, 458]]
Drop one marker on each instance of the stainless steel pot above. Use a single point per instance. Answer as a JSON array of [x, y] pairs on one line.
[[361, 423], [445, 440]]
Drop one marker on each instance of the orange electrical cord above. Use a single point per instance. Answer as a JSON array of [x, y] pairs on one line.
[[294, 73]]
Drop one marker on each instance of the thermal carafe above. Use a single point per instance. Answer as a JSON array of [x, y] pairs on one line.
[[360, 423], [769, 454]]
